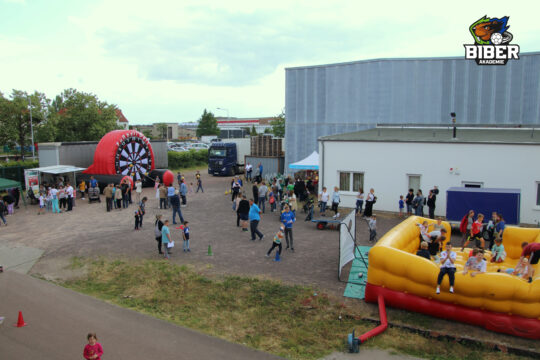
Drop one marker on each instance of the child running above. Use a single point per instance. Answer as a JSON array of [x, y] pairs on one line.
[[448, 267], [372, 228], [93, 350], [278, 238], [476, 232], [185, 236]]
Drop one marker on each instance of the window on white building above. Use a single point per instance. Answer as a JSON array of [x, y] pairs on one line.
[[351, 181], [472, 184], [358, 181], [414, 182], [538, 193]]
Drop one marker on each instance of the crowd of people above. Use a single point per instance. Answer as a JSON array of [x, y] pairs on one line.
[[174, 198], [284, 192], [479, 233]]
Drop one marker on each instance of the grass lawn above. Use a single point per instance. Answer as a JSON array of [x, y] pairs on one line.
[[295, 322]]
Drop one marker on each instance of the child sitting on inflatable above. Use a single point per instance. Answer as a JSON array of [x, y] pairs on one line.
[[521, 270], [476, 263], [498, 254]]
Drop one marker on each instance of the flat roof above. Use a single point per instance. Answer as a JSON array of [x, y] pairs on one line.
[[523, 136], [461, 57], [58, 169]]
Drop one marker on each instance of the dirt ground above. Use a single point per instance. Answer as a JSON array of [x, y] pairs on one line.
[[90, 231]]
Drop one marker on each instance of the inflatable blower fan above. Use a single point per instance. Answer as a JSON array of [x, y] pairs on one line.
[[353, 343]]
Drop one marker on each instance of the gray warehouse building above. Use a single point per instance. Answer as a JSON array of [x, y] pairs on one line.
[[339, 98]]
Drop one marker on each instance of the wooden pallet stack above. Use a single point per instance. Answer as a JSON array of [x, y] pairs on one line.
[[265, 145]]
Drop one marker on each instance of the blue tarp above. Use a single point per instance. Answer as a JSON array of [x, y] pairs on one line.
[[459, 200]]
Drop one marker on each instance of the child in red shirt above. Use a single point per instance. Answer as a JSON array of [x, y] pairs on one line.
[[476, 232], [93, 350]]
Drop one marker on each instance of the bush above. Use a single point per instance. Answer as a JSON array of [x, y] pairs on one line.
[[186, 159], [27, 164]]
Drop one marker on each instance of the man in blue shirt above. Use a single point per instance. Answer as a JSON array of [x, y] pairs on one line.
[[183, 192], [254, 218], [175, 203], [170, 194], [93, 182], [288, 219]]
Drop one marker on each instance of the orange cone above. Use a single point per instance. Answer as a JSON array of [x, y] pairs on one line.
[[20, 322]]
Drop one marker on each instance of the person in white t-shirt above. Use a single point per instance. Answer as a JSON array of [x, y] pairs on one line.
[[448, 267], [249, 171], [324, 196], [138, 190], [476, 263], [69, 192], [54, 195]]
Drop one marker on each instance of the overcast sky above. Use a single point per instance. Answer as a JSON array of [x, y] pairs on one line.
[[166, 61]]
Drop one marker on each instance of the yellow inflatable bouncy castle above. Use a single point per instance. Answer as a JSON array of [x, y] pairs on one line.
[[495, 300]]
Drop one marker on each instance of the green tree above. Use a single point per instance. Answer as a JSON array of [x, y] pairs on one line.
[[278, 125], [80, 116], [15, 124], [253, 131], [207, 125], [162, 129], [147, 133]]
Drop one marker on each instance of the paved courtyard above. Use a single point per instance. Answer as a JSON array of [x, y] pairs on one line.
[[89, 231]]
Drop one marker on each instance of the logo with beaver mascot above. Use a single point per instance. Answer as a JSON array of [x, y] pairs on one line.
[[486, 31], [491, 42]]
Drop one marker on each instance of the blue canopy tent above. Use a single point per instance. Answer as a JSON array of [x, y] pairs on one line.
[[309, 163]]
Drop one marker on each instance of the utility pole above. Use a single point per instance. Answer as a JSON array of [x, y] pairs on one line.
[[31, 129]]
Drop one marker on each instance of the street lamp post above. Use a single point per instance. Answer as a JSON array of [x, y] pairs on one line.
[[227, 110], [31, 129]]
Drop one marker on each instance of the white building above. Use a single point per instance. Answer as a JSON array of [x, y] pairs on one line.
[[393, 159], [121, 120], [260, 124]]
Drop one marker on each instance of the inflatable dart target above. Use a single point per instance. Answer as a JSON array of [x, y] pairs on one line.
[[123, 152]]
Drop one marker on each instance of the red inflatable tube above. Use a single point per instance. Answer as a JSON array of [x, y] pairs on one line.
[[379, 329], [498, 322]]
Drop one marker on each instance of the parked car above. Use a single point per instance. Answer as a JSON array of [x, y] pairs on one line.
[[198, 146]]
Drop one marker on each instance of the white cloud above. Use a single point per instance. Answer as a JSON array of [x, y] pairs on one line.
[[169, 60]]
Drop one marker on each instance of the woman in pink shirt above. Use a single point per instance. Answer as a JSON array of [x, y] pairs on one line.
[[93, 350]]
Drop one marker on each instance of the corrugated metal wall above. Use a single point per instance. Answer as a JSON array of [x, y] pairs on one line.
[[339, 98], [271, 165], [160, 153]]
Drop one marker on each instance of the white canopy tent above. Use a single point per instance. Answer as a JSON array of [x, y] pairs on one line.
[[34, 177], [309, 163]]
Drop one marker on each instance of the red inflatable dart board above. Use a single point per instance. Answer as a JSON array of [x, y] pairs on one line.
[[124, 152]]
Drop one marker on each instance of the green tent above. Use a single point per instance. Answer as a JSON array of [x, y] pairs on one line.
[[6, 184]]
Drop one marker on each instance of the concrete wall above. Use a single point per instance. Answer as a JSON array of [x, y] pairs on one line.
[[340, 98], [386, 167]]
